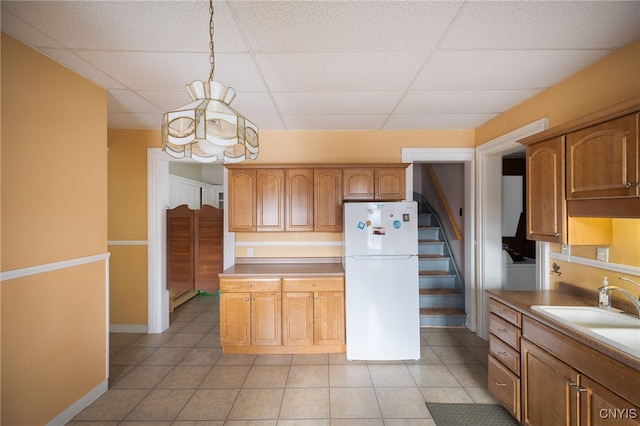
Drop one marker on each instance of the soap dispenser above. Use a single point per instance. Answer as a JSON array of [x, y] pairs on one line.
[[605, 297]]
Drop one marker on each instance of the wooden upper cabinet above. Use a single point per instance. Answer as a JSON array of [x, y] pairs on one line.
[[369, 183], [546, 206], [602, 160], [358, 183], [242, 200], [270, 199], [327, 205], [299, 199], [390, 184]]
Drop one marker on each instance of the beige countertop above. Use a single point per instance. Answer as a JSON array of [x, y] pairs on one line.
[[268, 270], [523, 300]]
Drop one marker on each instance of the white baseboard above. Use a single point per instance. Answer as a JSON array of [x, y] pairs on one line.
[[128, 328], [71, 411]]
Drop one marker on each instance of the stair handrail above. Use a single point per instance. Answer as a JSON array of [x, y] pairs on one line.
[[445, 204], [426, 207]]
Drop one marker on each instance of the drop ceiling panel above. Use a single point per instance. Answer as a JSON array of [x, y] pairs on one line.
[[461, 101], [332, 122], [374, 102], [321, 26], [501, 69], [122, 101], [340, 71], [544, 25], [436, 121]]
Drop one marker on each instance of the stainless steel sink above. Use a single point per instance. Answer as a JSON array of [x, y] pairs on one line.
[[612, 327]]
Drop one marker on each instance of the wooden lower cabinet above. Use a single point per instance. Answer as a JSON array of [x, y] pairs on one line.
[[548, 388], [282, 316], [601, 407]]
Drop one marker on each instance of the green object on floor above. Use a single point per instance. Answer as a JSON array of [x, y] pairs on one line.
[[470, 415]]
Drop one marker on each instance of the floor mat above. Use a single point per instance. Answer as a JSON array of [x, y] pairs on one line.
[[470, 415]]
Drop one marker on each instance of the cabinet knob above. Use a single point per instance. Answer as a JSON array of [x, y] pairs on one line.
[[628, 185], [250, 285], [313, 285], [557, 235], [502, 353], [500, 385], [501, 330], [246, 300]]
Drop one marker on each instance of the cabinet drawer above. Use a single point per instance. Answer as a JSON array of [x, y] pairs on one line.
[[235, 285], [505, 386], [313, 284], [506, 313], [503, 352], [506, 332]]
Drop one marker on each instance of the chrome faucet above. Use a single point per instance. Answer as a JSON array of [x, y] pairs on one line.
[[634, 301]]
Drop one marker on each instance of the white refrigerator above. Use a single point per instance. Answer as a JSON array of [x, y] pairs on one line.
[[381, 281]]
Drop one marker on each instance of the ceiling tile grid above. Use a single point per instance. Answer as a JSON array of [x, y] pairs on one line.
[[326, 65]]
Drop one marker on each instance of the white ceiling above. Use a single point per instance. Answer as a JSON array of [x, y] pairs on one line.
[[326, 65]]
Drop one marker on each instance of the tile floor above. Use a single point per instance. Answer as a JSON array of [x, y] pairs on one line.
[[181, 377]]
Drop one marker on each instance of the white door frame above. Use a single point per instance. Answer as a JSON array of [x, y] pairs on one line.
[[489, 217], [454, 155]]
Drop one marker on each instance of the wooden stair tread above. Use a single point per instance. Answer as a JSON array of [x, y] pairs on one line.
[[437, 291], [440, 311], [438, 273], [432, 256]]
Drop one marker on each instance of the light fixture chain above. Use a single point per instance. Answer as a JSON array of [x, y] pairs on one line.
[[212, 59]]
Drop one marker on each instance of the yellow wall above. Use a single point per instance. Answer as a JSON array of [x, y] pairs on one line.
[[127, 176], [54, 208], [614, 79]]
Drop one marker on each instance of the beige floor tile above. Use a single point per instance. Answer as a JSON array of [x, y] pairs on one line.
[[310, 359], [349, 376], [480, 352], [202, 356], [184, 377], [470, 375], [209, 404], [166, 356], [117, 372], [467, 338], [184, 340], [454, 355], [114, 404], [353, 403], [409, 422], [210, 340], [267, 376], [391, 375], [304, 422], [198, 327], [131, 356], [438, 338], [161, 404], [226, 377], [257, 404], [273, 360], [175, 326], [152, 340], [197, 423], [305, 403], [359, 422], [124, 339], [427, 356], [446, 395], [308, 376], [156, 423], [481, 395], [236, 359], [251, 423], [143, 377], [433, 376], [401, 402]]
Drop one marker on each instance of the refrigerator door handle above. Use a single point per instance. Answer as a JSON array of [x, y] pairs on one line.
[[387, 257]]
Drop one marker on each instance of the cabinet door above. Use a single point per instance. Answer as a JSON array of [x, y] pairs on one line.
[[602, 160], [242, 200], [266, 321], [327, 206], [358, 183], [389, 184], [600, 407], [549, 394], [270, 199], [328, 309], [299, 200], [297, 318], [235, 319], [546, 205]]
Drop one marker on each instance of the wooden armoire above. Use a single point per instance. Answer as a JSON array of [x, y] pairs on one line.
[[194, 251]]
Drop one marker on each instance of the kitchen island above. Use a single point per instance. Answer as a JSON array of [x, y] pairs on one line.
[[282, 308]]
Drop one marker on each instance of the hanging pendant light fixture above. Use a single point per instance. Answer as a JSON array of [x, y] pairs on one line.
[[208, 129]]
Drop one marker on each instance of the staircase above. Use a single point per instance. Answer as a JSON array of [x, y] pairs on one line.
[[441, 286]]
